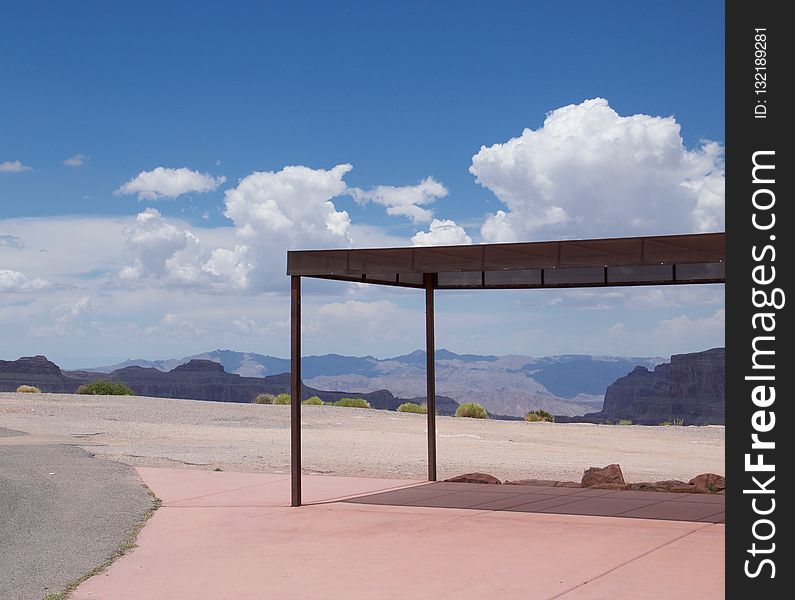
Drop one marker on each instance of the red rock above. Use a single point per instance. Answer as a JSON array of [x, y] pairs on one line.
[[709, 481], [609, 486], [596, 475], [475, 478]]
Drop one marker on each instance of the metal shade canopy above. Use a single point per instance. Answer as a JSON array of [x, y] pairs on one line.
[[630, 261]]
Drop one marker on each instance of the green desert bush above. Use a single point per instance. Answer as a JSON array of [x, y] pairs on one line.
[[539, 415], [283, 399], [263, 399], [28, 389], [625, 422], [313, 401], [412, 407], [674, 423], [472, 410], [104, 387], [353, 402]]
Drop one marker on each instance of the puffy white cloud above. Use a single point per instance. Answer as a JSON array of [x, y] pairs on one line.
[[293, 204], [404, 200], [14, 281], [441, 233], [163, 182], [167, 252], [68, 319], [13, 166], [275, 211], [156, 243], [229, 265], [592, 172], [78, 160]]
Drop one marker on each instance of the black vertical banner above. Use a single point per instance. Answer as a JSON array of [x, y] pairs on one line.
[[759, 426]]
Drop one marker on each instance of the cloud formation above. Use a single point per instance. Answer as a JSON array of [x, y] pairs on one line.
[[441, 233], [275, 211], [68, 319], [174, 326], [406, 200], [164, 182], [15, 281], [78, 160], [167, 252], [13, 166], [589, 171]]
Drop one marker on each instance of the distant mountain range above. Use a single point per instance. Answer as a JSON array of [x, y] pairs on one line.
[[197, 379], [690, 389], [509, 385]]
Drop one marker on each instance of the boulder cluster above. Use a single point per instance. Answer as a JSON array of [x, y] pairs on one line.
[[612, 478]]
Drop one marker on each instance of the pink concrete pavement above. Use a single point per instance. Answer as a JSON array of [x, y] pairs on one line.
[[233, 536]]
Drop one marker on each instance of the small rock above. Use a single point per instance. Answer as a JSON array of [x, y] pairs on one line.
[[709, 481], [538, 482], [609, 486], [596, 475], [475, 478], [568, 484]]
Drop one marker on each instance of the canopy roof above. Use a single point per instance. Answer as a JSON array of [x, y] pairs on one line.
[[649, 260]]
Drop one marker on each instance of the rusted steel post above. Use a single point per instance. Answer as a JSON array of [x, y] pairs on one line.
[[295, 388], [430, 374]]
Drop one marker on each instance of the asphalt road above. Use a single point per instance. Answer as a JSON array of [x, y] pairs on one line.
[[62, 513]]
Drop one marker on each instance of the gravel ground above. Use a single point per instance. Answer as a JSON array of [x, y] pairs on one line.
[[347, 441], [62, 513]]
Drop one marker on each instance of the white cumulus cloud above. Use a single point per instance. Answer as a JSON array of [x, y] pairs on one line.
[[292, 203], [441, 233], [589, 171], [229, 265], [15, 281], [406, 200], [167, 252], [164, 182], [78, 160], [276, 211], [13, 166]]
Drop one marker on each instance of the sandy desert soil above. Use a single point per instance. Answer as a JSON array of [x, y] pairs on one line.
[[346, 441]]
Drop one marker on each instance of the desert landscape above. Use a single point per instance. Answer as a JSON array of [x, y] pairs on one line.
[[144, 431]]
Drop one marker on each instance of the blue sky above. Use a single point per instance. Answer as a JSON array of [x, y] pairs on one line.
[[163, 232]]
